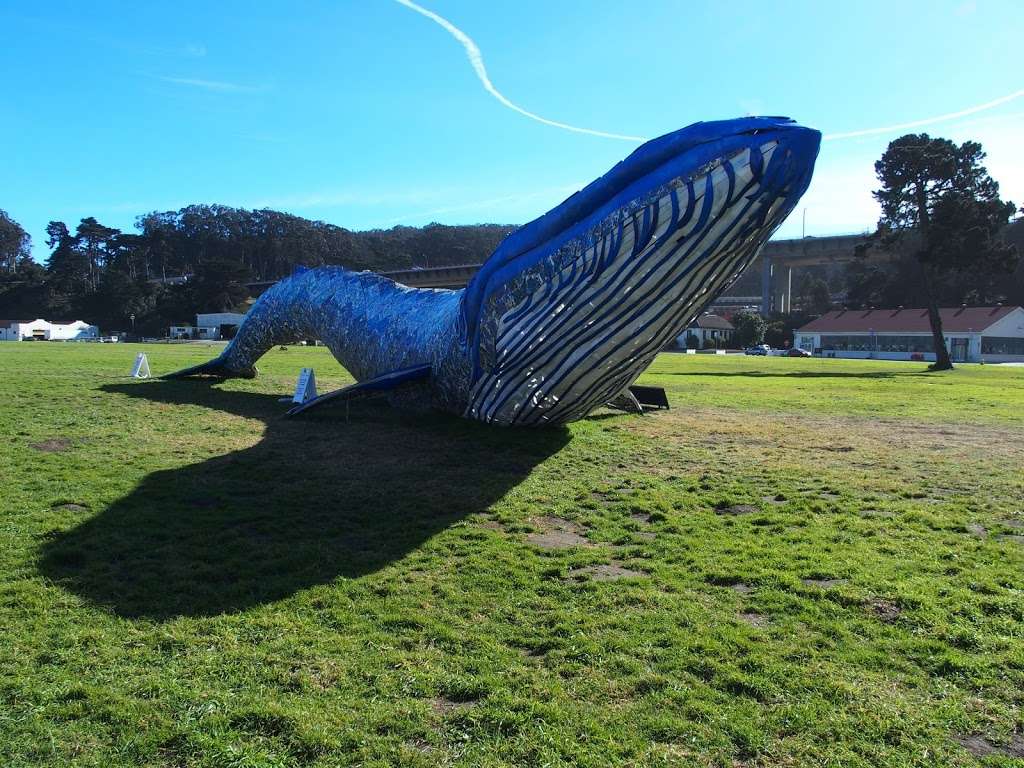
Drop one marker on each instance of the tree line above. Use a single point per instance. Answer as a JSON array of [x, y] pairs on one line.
[[104, 275]]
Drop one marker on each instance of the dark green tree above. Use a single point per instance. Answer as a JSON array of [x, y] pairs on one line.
[[67, 267], [93, 241], [750, 328], [15, 244], [219, 285], [22, 280], [815, 297], [940, 205]]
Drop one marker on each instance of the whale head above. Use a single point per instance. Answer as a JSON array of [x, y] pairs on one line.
[[573, 306]]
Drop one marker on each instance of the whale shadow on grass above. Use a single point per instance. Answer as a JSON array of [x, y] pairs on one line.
[[318, 498]]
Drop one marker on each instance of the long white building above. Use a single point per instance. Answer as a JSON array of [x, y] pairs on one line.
[[47, 330], [973, 334]]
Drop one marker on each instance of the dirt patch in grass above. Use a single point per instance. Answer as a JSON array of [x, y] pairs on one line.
[[71, 506], [557, 540], [613, 571], [825, 583], [533, 653], [419, 745], [645, 535], [640, 517], [884, 609], [736, 509], [977, 530], [743, 589], [1015, 538], [441, 705], [492, 525], [52, 445], [882, 514], [612, 496], [980, 746], [755, 619], [558, 533], [1015, 524]]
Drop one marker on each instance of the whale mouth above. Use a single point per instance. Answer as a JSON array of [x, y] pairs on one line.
[[565, 324], [675, 154]]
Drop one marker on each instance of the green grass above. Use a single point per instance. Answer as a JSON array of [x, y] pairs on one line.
[[191, 580]]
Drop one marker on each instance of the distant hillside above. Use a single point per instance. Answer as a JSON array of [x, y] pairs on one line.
[[270, 244]]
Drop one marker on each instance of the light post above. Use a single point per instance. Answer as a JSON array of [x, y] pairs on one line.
[[132, 318]]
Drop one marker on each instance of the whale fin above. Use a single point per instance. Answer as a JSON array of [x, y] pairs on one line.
[[625, 401], [217, 368], [383, 383]]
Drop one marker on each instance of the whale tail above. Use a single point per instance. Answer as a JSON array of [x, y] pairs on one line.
[[216, 368], [372, 325]]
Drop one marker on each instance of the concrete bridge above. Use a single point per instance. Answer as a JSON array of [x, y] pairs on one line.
[[777, 260], [779, 257]]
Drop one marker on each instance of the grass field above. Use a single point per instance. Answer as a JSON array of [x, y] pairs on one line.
[[803, 563]]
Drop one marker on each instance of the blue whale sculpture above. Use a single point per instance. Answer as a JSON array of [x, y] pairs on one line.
[[571, 308]]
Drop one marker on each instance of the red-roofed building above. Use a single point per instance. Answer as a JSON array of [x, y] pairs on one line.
[[993, 334]]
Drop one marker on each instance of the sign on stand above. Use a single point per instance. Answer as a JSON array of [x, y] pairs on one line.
[[305, 388], [141, 368]]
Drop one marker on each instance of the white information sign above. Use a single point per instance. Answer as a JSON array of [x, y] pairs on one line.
[[141, 368], [305, 387]]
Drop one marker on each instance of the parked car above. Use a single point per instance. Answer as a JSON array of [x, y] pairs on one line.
[[760, 349], [797, 352]]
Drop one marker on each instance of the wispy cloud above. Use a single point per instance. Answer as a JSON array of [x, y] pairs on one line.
[[476, 60], [219, 86], [839, 199], [928, 120]]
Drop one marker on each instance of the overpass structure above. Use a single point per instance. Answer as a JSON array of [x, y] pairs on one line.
[[778, 258], [433, 277]]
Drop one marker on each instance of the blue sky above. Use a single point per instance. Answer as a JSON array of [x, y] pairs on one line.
[[369, 114]]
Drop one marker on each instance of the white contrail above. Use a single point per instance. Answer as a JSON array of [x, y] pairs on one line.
[[927, 120], [477, 60]]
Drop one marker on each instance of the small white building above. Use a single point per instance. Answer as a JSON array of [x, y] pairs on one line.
[[47, 330], [206, 333], [993, 334], [208, 326], [707, 327]]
